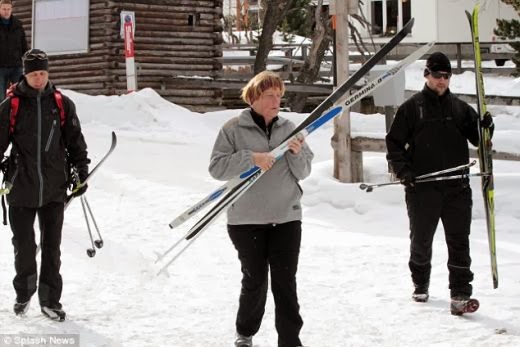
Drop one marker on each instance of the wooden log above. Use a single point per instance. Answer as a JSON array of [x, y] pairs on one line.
[[175, 34], [84, 79], [180, 92], [171, 48], [82, 86], [213, 62], [175, 41], [81, 59], [170, 53], [58, 73], [75, 68], [179, 6], [180, 100]]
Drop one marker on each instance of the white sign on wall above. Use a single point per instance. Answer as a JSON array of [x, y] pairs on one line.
[[61, 26]]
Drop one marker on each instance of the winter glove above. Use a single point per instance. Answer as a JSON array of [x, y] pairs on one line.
[[487, 121], [79, 191], [408, 179], [81, 188]]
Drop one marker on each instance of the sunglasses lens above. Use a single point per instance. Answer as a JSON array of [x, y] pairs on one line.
[[438, 75]]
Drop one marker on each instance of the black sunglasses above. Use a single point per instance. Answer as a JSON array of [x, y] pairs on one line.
[[439, 75], [33, 56]]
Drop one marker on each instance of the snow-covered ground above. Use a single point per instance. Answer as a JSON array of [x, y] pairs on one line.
[[354, 283]]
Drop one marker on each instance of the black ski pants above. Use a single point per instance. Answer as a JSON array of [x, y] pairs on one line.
[[260, 248], [451, 202], [50, 219]]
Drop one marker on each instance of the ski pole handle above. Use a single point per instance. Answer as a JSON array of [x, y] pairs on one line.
[[370, 187]]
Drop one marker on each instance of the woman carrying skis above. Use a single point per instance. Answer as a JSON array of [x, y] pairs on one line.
[[265, 223]]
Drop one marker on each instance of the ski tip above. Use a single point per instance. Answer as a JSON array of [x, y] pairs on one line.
[[408, 26], [158, 257], [163, 272], [469, 17], [114, 137]]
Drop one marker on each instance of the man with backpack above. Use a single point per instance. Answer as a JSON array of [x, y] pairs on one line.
[[45, 133], [430, 133]]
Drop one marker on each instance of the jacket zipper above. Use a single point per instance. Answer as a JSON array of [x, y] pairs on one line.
[[49, 140], [39, 149]]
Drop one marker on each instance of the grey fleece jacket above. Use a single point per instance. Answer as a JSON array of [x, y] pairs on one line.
[[275, 197]]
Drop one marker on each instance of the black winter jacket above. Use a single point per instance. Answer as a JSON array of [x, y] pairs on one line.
[[37, 167], [431, 133], [13, 43]]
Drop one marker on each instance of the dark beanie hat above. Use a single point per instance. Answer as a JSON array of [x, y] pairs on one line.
[[35, 60], [438, 62]]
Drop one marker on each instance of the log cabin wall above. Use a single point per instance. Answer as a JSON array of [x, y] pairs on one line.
[[177, 42]]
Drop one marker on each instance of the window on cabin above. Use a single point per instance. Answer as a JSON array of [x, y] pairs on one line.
[[388, 16], [61, 26], [193, 19]]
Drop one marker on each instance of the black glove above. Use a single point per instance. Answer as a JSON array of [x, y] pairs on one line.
[[487, 121], [82, 175], [408, 179], [79, 191]]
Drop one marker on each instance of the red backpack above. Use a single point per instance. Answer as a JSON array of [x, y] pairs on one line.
[[15, 102]]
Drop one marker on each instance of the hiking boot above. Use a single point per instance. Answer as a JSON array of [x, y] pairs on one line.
[[21, 308], [243, 341], [54, 312], [461, 304], [420, 294]]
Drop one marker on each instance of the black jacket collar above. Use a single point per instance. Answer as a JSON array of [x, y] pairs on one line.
[[260, 121]]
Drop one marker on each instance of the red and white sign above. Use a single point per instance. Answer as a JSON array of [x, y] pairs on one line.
[[128, 20], [129, 40]]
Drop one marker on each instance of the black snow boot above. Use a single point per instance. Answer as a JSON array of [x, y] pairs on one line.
[[21, 308], [420, 294], [54, 312]]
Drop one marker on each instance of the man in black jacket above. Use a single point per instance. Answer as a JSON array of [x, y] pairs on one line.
[[13, 45], [430, 132], [43, 145]]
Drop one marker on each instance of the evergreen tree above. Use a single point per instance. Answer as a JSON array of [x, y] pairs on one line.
[[298, 20], [510, 29]]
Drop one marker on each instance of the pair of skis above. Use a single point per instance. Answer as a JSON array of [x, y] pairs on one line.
[[485, 146], [240, 184], [329, 102]]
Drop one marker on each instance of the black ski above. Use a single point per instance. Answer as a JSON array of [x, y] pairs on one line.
[[339, 92]]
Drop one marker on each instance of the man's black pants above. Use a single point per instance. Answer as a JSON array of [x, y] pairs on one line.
[[50, 219], [450, 202], [260, 248]]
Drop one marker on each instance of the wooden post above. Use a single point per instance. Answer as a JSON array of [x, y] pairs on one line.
[[239, 15], [459, 58], [341, 140]]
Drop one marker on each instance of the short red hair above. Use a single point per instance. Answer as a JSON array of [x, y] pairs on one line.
[[259, 84]]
